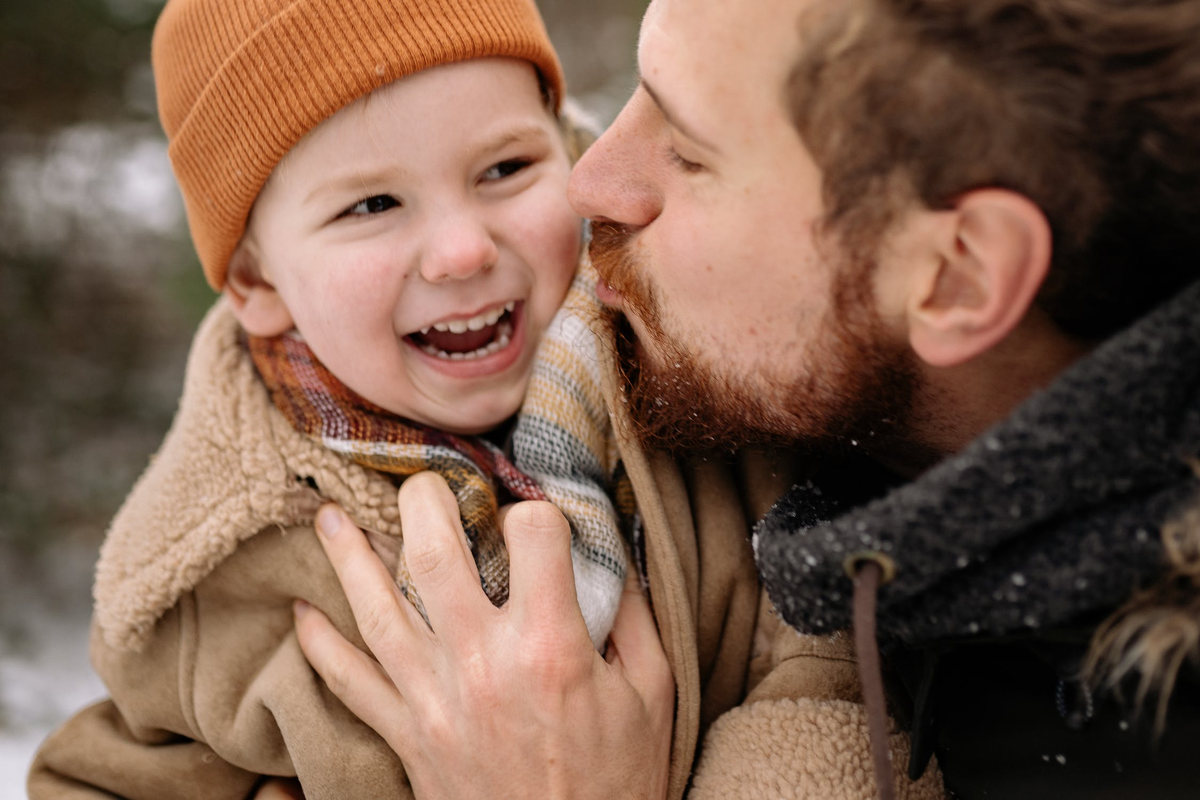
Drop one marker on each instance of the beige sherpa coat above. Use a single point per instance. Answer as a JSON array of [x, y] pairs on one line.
[[193, 630]]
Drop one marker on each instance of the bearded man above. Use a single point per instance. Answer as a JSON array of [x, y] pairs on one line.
[[942, 254]]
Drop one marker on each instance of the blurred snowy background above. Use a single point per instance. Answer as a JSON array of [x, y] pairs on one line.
[[99, 295]]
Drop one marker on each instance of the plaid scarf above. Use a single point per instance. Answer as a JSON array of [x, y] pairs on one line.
[[559, 445]]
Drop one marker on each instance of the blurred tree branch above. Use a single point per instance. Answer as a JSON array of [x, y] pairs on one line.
[[67, 60]]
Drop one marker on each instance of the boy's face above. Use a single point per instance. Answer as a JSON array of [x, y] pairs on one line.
[[421, 241]]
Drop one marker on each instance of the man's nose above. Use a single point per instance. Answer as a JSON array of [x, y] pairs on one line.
[[614, 181], [459, 247]]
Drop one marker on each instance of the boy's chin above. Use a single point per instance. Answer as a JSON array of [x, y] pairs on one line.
[[479, 424], [460, 408]]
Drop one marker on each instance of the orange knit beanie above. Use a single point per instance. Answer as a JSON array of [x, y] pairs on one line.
[[240, 82]]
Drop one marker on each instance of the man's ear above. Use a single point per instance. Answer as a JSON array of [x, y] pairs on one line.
[[992, 256], [255, 301]]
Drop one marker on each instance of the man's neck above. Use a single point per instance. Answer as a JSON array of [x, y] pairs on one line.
[[955, 405]]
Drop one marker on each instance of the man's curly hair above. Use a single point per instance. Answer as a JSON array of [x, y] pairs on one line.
[[1090, 108]]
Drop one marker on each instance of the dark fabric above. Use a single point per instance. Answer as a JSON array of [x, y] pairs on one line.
[[1008, 555], [1052, 514], [994, 719]]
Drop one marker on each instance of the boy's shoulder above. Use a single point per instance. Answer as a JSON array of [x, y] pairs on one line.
[[230, 466]]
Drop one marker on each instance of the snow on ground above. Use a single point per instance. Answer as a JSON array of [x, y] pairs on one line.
[[45, 604]]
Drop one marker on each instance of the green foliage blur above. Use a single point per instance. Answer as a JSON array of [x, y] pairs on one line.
[[85, 340], [67, 60]]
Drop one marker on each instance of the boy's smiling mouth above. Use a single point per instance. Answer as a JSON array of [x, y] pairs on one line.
[[468, 338]]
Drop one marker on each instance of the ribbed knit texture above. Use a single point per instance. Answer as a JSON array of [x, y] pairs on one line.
[[240, 82]]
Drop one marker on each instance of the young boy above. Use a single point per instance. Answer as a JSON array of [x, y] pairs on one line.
[[379, 190]]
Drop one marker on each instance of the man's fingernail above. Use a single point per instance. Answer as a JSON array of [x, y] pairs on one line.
[[329, 519], [300, 608]]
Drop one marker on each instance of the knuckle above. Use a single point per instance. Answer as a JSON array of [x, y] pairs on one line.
[[477, 674], [483, 688], [428, 560], [375, 621], [548, 666], [438, 727], [336, 675]]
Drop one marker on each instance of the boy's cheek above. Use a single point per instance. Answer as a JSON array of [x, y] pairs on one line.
[[567, 227]]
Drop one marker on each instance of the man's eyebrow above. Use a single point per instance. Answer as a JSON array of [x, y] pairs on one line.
[[673, 119]]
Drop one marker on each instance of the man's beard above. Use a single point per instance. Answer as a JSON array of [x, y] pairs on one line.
[[856, 392]]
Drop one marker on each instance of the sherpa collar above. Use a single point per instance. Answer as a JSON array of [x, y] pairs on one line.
[[1054, 513], [230, 466]]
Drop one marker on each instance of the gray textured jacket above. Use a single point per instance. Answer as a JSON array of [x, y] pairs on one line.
[[1066, 537]]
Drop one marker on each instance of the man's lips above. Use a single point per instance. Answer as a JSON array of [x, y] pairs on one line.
[[608, 295]]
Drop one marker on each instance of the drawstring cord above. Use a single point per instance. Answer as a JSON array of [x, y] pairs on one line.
[[869, 571]]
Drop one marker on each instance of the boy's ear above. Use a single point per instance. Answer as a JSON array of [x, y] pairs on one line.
[[255, 302], [992, 254]]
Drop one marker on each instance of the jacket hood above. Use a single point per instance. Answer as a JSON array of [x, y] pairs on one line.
[[1054, 515]]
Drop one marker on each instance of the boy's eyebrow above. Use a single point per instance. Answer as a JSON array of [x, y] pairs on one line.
[[519, 133], [357, 181], [673, 119]]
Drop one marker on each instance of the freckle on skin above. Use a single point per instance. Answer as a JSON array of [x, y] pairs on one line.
[[753, 331], [708, 268]]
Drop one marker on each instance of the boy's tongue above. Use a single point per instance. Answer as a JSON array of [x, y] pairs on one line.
[[459, 342]]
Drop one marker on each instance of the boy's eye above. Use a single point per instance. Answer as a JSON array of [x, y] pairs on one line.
[[372, 205], [505, 168]]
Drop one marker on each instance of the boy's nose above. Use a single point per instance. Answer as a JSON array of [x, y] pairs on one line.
[[457, 250]]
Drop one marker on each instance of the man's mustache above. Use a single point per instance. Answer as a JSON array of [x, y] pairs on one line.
[[611, 254]]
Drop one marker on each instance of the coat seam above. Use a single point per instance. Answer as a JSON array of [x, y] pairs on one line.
[[188, 635]]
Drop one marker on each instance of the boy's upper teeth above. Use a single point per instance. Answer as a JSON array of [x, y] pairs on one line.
[[476, 323]]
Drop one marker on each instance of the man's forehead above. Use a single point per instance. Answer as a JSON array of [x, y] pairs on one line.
[[744, 20], [719, 46], [732, 33]]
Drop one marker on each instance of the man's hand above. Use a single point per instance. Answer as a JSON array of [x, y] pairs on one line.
[[494, 702]]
